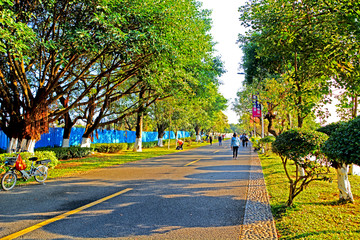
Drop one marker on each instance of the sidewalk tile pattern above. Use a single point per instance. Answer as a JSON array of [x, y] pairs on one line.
[[258, 219]]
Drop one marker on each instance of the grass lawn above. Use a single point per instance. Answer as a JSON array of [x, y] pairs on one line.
[[317, 213], [100, 160]]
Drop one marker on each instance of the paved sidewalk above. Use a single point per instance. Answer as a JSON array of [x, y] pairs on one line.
[[258, 219]]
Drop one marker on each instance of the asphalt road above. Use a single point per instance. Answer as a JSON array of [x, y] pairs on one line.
[[196, 194]]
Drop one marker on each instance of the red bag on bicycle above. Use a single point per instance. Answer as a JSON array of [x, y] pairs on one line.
[[20, 164]]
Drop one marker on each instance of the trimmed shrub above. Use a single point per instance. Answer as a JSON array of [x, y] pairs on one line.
[[149, 144], [342, 148], [109, 147], [66, 153], [255, 141], [41, 155], [343, 143], [303, 148], [266, 142], [330, 128], [130, 146], [79, 152]]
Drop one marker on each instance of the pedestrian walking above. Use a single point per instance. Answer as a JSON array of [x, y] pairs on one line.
[[235, 143], [210, 138], [220, 140], [244, 139]]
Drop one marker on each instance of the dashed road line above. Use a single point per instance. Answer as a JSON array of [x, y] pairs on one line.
[[62, 216], [192, 162]]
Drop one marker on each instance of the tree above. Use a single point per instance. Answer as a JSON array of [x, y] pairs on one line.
[[286, 32], [80, 45], [220, 122], [342, 149], [205, 110], [257, 67], [235, 128], [304, 149], [70, 38], [160, 112], [206, 100]]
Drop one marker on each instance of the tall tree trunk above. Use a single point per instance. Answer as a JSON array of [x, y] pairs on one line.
[[90, 125], [140, 119], [67, 130], [161, 132], [197, 131], [176, 139], [68, 122], [86, 138], [138, 141], [290, 121], [355, 107], [354, 115], [270, 117], [345, 193], [169, 130]]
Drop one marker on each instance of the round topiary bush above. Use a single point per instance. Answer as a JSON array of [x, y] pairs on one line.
[[342, 148], [304, 149], [297, 145], [343, 145], [266, 142]]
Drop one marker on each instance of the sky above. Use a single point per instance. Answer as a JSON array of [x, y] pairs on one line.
[[225, 29]]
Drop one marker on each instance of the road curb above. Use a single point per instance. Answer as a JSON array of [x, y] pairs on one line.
[[258, 220]]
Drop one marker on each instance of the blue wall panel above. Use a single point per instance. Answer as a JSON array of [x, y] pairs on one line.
[[4, 140], [54, 137]]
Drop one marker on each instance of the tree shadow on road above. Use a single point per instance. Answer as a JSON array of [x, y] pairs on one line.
[[211, 197]]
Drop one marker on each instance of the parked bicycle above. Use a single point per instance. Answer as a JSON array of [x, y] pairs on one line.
[[38, 169]]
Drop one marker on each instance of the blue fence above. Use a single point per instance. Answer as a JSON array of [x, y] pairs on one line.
[[55, 136]]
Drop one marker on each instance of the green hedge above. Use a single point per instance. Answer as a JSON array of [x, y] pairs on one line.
[[116, 147], [149, 144], [69, 152], [41, 155], [109, 147], [130, 146], [255, 141]]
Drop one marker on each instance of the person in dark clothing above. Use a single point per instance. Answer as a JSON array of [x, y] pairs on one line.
[[245, 139]]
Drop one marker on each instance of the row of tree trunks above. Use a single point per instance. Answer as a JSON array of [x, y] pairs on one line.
[[15, 145]]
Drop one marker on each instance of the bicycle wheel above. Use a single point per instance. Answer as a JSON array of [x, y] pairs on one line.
[[8, 181], [41, 173]]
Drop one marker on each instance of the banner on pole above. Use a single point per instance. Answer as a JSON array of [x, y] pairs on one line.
[[256, 110]]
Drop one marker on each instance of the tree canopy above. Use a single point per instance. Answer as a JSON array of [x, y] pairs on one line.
[[91, 58], [303, 45]]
